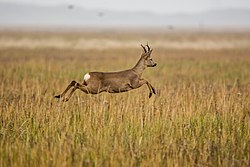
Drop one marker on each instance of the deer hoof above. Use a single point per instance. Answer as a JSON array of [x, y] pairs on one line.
[[58, 96], [150, 94]]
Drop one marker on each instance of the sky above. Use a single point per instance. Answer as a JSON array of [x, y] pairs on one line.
[[155, 6]]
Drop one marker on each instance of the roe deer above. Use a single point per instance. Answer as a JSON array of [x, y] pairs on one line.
[[115, 82]]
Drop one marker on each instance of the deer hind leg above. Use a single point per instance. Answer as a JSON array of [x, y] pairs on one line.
[[72, 83], [77, 86]]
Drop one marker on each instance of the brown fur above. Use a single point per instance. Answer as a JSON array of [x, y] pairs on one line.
[[115, 82]]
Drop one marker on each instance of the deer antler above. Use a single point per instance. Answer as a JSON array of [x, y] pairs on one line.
[[148, 47], [144, 48]]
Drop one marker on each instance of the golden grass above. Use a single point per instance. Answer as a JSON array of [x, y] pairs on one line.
[[199, 117], [83, 41]]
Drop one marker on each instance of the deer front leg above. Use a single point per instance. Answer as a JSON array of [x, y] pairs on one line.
[[72, 83], [150, 87], [153, 89]]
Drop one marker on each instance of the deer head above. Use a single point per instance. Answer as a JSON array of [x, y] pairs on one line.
[[148, 61]]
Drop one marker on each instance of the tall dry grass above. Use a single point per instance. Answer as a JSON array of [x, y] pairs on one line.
[[199, 117]]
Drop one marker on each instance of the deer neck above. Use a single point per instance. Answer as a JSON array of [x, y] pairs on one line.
[[139, 67]]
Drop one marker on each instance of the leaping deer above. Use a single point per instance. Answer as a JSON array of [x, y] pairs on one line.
[[115, 82]]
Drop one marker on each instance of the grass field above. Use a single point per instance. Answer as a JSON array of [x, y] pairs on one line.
[[199, 117]]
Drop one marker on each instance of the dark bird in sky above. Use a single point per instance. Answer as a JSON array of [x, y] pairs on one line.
[[70, 6], [100, 14]]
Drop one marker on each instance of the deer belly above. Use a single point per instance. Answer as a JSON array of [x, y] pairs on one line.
[[118, 89]]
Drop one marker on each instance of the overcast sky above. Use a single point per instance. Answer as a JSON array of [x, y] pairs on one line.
[[156, 6]]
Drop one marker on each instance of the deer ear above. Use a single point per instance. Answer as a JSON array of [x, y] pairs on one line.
[[144, 55]]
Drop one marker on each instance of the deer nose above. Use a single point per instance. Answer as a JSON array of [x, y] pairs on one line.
[[154, 65]]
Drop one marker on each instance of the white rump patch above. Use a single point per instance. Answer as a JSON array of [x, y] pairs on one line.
[[86, 77]]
